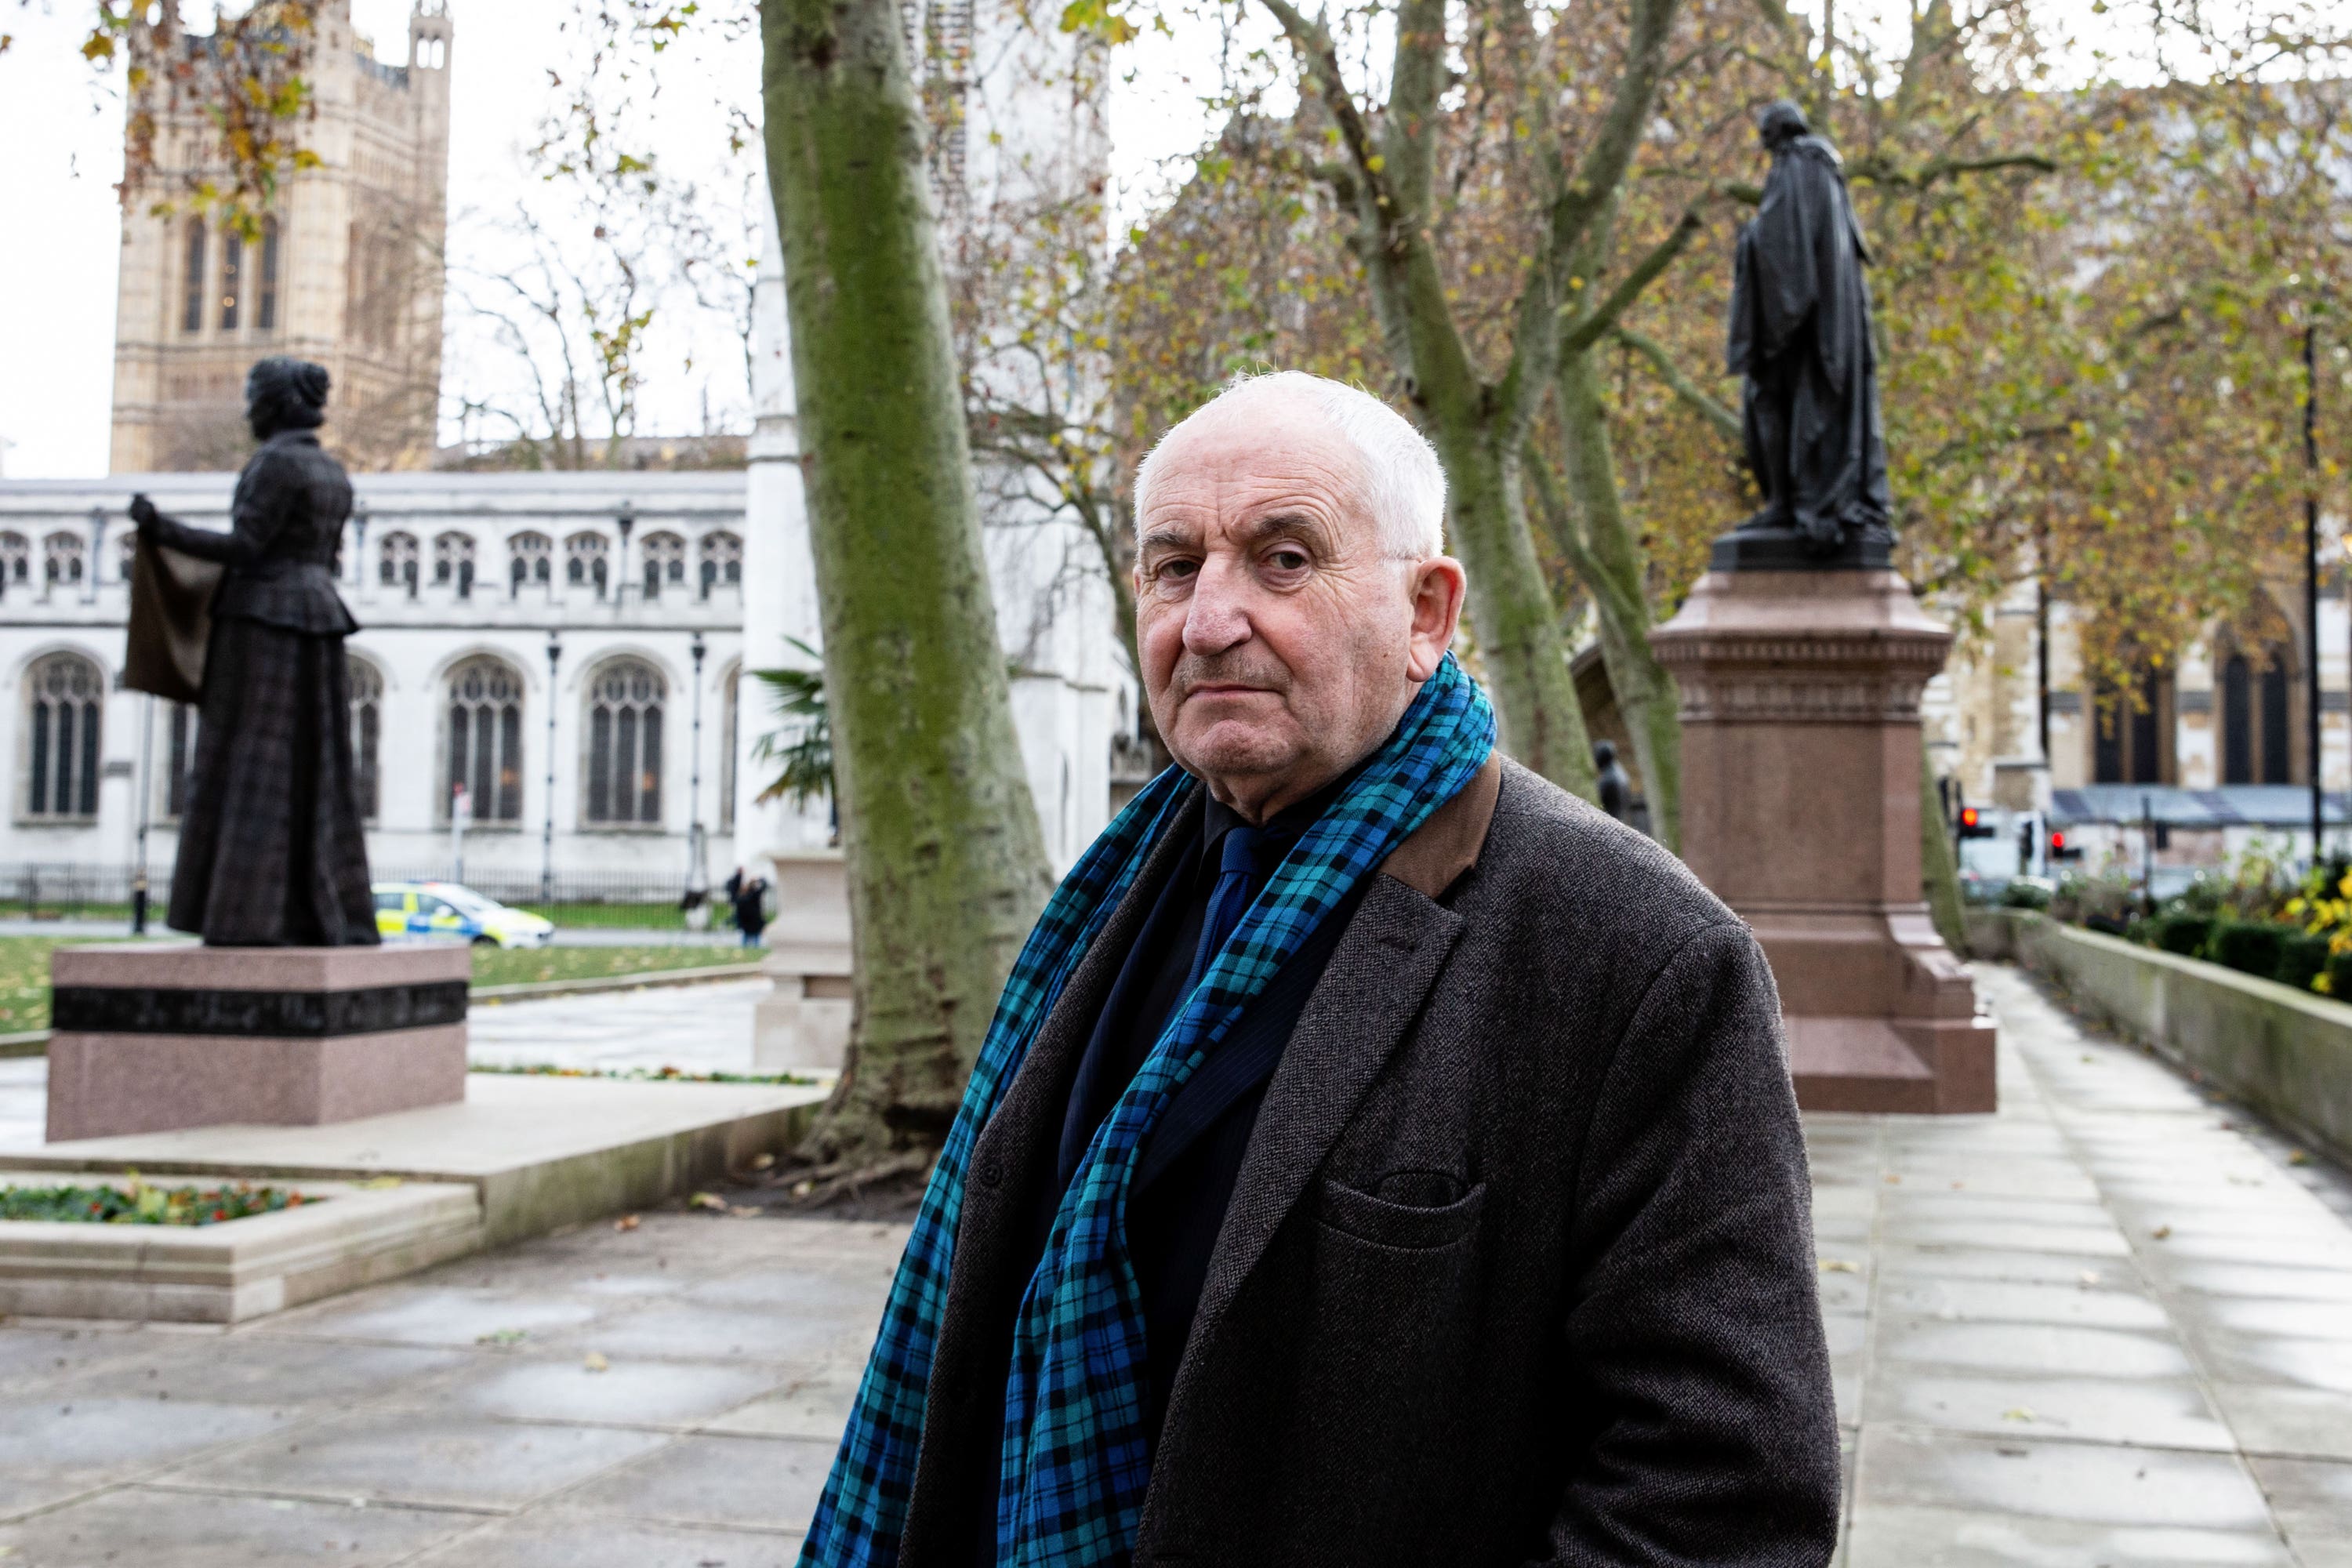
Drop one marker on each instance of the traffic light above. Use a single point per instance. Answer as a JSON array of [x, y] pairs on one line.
[[1973, 824], [2061, 850]]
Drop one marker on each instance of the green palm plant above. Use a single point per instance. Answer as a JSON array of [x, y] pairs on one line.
[[800, 746]]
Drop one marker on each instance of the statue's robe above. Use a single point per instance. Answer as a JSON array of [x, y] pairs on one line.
[[272, 850], [1800, 334]]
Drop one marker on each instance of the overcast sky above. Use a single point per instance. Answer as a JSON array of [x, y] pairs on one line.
[[62, 128]]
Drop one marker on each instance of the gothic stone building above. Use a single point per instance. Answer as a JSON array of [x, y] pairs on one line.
[[344, 270]]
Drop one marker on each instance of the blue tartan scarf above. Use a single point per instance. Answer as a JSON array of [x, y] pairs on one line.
[[1075, 1454]]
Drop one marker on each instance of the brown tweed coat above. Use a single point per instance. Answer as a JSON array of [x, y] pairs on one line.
[[1519, 1268]]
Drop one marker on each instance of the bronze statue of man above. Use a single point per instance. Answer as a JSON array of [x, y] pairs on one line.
[[1800, 334], [271, 851]]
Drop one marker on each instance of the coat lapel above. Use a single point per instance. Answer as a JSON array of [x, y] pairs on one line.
[[1379, 974]]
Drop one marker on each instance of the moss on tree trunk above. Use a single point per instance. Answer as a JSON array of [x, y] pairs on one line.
[[946, 862]]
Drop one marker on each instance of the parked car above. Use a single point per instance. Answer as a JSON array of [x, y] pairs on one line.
[[452, 912]]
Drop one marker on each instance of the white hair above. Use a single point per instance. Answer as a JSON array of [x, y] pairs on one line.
[[1403, 479]]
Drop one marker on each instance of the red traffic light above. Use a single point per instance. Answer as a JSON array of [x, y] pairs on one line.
[[1967, 817]]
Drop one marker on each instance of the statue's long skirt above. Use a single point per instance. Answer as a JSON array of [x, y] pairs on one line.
[[271, 850]]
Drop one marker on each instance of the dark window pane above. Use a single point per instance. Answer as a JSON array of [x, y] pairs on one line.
[[265, 315], [458, 737], [2236, 722], [89, 758], [2274, 724], [624, 765], [39, 802], [511, 762], [2109, 716], [485, 760], [649, 768], [600, 763], [62, 784], [191, 311], [232, 285], [2145, 755]]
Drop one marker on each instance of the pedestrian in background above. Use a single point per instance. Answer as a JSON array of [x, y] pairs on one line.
[[750, 898]]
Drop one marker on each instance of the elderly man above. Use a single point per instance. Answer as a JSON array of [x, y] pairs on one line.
[[1379, 1156]]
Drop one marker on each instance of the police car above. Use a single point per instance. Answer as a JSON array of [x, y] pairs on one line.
[[449, 912]]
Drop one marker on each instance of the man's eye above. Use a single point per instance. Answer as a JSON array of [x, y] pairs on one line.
[[1179, 570], [1287, 560]]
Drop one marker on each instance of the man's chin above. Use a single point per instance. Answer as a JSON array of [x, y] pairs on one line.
[[1231, 750]]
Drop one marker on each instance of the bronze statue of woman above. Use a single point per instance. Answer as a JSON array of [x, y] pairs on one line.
[[271, 850]]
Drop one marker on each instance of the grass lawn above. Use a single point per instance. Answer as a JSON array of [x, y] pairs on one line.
[[513, 966], [25, 969]]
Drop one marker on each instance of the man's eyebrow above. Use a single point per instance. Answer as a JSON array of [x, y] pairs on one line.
[[1164, 536], [1284, 524]]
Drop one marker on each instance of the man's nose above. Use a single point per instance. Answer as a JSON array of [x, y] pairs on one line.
[[1217, 617]]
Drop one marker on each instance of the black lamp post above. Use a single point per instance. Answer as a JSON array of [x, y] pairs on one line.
[[697, 874], [547, 825]]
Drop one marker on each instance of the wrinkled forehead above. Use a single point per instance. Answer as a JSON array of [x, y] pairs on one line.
[[1235, 465]]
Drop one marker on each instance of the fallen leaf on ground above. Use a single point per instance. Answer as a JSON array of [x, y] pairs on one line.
[[500, 1336], [1894, 1181], [595, 1362], [2089, 1277], [378, 1184], [762, 1162], [745, 1211], [1839, 1266], [707, 1201], [2161, 1232], [2018, 1412], [2298, 1157], [626, 1221]]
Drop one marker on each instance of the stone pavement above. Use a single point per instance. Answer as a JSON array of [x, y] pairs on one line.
[[703, 1027], [2112, 1324]]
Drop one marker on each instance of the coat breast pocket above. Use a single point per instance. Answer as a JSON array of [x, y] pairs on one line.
[[1413, 1211]]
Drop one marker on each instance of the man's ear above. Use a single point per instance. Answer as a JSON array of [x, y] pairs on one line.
[[1437, 586]]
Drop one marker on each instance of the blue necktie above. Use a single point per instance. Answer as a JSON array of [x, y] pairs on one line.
[[1237, 883]]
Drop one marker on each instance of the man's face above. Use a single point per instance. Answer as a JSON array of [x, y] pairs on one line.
[[1280, 640]]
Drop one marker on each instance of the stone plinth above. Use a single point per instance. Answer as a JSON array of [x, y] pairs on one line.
[[804, 1025], [1800, 809], [148, 1038]]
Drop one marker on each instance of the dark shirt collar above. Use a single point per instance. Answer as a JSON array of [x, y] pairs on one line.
[[1285, 828]]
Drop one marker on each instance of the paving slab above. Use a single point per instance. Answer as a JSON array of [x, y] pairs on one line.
[[539, 1540], [206, 1529], [765, 1482]]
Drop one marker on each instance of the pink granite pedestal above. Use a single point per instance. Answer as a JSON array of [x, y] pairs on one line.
[[1800, 809], [149, 1039]]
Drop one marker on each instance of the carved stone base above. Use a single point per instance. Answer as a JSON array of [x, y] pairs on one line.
[[1800, 809], [152, 1039]]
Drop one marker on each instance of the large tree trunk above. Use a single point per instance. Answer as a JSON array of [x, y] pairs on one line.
[[1612, 563], [946, 862]]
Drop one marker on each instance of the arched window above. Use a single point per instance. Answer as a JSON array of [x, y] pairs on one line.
[[625, 744], [265, 297], [367, 735], [723, 562], [485, 739], [179, 777], [531, 557], [64, 696], [453, 563], [192, 290], [584, 562], [61, 559], [15, 561], [2257, 729], [232, 285], [396, 561], [665, 556], [2129, 727]]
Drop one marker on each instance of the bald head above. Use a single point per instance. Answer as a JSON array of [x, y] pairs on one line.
[[1399, 482]]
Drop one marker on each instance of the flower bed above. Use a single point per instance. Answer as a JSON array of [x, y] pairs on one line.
[[138, 1203], [2256, 916]]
